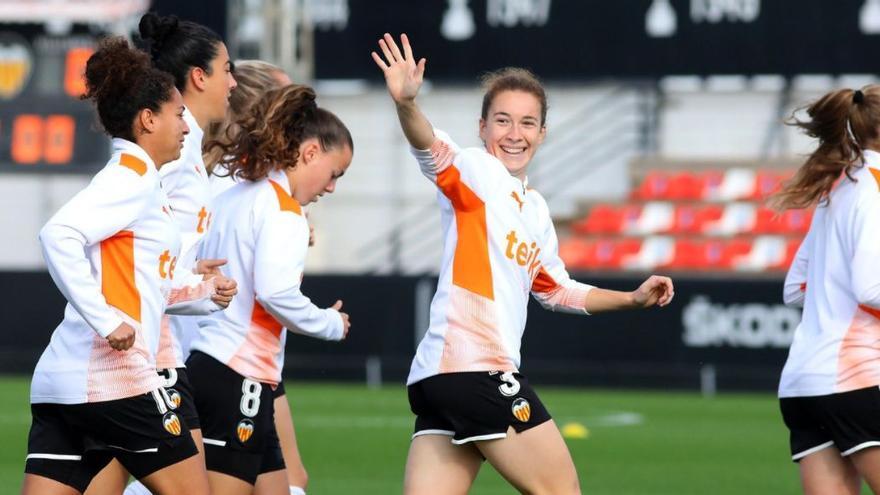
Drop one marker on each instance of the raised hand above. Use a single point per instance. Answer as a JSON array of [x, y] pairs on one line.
[[403, 75], [346, 324], [657, 290]]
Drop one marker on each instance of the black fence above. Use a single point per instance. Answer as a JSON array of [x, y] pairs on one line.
[[574, 40], [717, 334]]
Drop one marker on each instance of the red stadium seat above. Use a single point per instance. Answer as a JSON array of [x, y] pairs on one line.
[[685, 186], [655, 185], [602, 219]]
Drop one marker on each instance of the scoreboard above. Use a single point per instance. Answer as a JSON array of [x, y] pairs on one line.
[[44, 125]]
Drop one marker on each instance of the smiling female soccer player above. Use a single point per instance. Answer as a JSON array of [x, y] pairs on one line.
[[469, 399]]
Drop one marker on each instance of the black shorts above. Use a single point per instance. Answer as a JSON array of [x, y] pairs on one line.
[[237, 418], [176, 383], [847, 421], [278, 391], [71, 443], [475, 405]]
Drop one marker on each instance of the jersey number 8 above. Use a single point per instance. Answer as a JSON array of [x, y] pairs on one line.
[[250, 397]]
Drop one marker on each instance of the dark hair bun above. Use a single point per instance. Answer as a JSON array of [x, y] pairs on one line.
[[155, 30]]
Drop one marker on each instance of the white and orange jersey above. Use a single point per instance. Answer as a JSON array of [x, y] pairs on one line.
[[499, 246], [188, 187], [112, 252], [834, 277], [259, 228]]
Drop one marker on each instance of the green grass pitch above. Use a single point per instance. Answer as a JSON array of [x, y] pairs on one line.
[[354, 440]]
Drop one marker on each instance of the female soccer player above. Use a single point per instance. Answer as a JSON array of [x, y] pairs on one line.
[[199, 64], [499, 245], [254, 78], [828, 391], [289, 153], [112, 251]]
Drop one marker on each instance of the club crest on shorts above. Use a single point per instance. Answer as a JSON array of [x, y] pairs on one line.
[[244, 430], [172, 423], [521, 409], [174, 398]]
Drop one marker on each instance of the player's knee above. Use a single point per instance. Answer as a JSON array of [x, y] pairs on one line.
[[298, 476]]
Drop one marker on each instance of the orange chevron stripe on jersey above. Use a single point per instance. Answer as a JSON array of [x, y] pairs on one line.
[[286, 201], [134, 163], [117, 274], [470, 265], [876, 174], [261, 318]]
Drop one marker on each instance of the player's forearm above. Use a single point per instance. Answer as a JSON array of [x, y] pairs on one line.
[[415, 125], [601, 300]]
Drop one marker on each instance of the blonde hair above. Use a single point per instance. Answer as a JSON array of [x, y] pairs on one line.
[[254, 78]]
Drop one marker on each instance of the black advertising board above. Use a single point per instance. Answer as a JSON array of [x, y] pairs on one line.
[[739, 329], [587, 39]]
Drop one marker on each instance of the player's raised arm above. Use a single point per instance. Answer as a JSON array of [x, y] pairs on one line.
[[403, 77]]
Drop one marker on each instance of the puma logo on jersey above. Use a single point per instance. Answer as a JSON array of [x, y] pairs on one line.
[[172, 423], [515, 197], [245, 430], [164, 258], [521, 409], [524, 254]]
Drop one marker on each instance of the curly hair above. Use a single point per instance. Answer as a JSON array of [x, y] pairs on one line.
[[121, 81], [271, 133]]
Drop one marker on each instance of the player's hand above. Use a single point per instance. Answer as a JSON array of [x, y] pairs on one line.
[[122, 338], [403, 75], [224, 290], [657, 290], [209, 267], [346, 324]]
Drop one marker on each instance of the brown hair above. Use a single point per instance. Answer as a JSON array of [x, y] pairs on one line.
[[254, 78], [512, 79], [845, 122], [121, 81], [271, 133]]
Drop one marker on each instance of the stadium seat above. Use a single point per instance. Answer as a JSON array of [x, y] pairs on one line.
[[655, 185], [602, 219], [685, 186], [766, 253], [654, 251], [738, 183], [737, 218], [652, 218]]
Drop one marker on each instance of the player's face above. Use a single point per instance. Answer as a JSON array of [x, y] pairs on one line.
[[512, 129], [318, 170], [170, 128], [219, 84]]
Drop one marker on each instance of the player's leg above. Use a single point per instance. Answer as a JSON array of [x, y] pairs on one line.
[[110, 481], [435, 465], [297, 477]]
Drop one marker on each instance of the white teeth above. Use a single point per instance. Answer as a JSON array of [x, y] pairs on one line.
[[512, 151]]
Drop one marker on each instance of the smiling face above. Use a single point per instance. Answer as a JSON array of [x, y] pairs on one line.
[[512, 129], [317, 170]]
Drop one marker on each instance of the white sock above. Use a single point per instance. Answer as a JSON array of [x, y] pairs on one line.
[[136, 488], [295, 490]]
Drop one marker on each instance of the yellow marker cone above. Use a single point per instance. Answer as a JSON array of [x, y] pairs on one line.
[[575, 430]]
